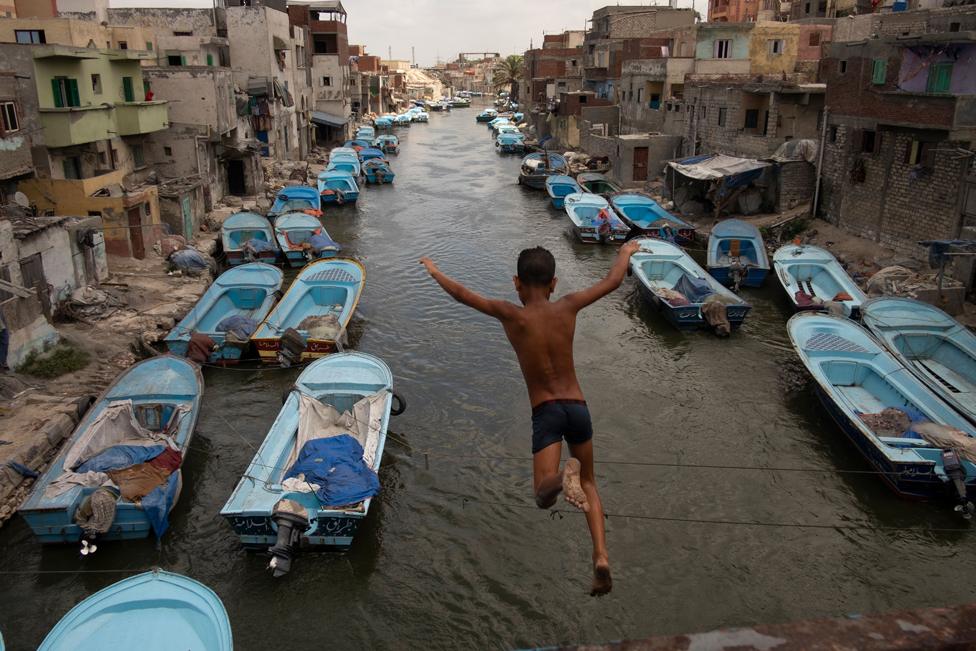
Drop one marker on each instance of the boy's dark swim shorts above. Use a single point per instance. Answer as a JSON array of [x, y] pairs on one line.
[[554, 420]]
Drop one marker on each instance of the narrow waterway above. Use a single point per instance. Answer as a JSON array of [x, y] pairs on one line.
[[451, 555]]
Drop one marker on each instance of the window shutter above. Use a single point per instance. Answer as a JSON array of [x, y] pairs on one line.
[[880, 71], [856, 142], [182, 60], [127, 90], [209, 59], [56, 89], [877, 142], [73, 89]]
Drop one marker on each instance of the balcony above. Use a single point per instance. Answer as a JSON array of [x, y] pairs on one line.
[[134, 118], [595, 73], [64, 127]]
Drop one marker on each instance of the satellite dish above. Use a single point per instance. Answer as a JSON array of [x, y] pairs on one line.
[[21, 200]]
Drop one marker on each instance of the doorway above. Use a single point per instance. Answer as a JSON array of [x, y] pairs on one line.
[[32, 272], [640, 163], [136, 238], [235, 177]]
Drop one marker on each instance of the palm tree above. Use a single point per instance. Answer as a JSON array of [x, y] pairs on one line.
[[508, 72]]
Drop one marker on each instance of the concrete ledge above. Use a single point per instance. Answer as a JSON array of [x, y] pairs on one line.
[[928, 628]]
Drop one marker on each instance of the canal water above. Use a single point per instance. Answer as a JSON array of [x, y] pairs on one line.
[[453, 554]]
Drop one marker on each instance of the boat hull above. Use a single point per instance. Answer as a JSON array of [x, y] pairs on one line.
[[257, 532], [379, 179], [347, 198], [755, 277], [591, 236], [236, 258], [689, 317], [267, 349]]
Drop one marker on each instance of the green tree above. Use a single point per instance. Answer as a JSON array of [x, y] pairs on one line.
[[508, 73]]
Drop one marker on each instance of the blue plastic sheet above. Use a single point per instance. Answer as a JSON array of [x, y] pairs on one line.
[[259, 246], [159, 502], [241, 326], [336, 465], [694, 289], [189, 260], [120, 456], [321, 243]]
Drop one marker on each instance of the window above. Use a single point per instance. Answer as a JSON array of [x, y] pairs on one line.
[[640, 94], [869, 141], [326, 81], [833, 134], [940, 77], [123, 45], [179, 33], [879, 72], [722, 49], [127, 91], [814, 39], [29, 36], [174, 59], [752, 119], [722, 113], [842, 67], [167, 151], [702, 112], [65, 92], [806, 8], [775, 46], [149, 46], [655, 102], [8, 117], [96, 84], [920, 153], [953, 27], [138, 156], [572, 62], [71, 167], [209, 59]]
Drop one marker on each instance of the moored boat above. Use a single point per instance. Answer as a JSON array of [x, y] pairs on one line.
[[669, 279], [317, 308], [814, 280], [558, 186], [593, 220], [344, 159], [538, 166], [384, 122], [146, 416], [229, 311], [939, 350], [348, 395], [248, 237], [402, 120], [918, 444], [356, 144], [302, 238], [371, 153], [647, 217], [366, 133], [296, 198], [152, 611], [421, 116], [388, 144], [510, 143], [736, 254], [338, 186], [597, 184], [487, 115], [378, 170]]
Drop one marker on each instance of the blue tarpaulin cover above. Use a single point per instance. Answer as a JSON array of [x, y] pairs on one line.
[[241, 326], [694, 289], [336, 465], [120, 456], [321, 243], [158, 503], [189, 260]]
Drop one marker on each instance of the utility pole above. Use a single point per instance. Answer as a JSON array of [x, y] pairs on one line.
[[389, 52], [413, 56]]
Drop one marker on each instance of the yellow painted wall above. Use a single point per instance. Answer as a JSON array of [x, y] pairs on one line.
[[764, 63], [79, 33]]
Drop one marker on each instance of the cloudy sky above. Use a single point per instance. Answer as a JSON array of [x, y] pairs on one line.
[[442, 28]]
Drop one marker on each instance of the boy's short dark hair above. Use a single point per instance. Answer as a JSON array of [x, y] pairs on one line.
[[536, 266]]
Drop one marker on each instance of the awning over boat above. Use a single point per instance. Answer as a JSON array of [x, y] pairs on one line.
[[328, 119], [719, 166]]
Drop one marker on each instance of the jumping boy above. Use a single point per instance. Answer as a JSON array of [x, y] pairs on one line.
[[541, 332]]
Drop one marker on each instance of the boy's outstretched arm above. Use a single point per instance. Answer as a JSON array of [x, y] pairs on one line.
[[462, 294], [591, 294]]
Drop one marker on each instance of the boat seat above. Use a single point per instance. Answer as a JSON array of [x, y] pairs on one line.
[[904, 442], [734, 246], [332, 275], [247, 298]]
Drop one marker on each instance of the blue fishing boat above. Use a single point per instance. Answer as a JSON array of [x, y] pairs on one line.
[[317, 307], [510, 143], [593, 220], [736, 254], [384, 122], [357, 144], [670, 280], [229, 311], [366, 133], [388, 144], [248, 237], [597, 184], [647, 217], [498, 122], [351, 167], [402, 120], [350, 395], [378, 171], [939, 350], [153, 611], [371, 153], [918, 444], [149, 411], [421, 116], [517, 117], [487, 115], [302, 237], [508, 129], [558, 186], [814, 280], [339, 187], [538, 166], [296, 198]]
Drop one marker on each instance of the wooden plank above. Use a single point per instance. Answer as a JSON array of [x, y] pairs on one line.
[[16, 290]]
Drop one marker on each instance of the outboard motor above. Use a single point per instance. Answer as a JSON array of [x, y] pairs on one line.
[[292, 347], [292, 521], [738, 273], [956, 473]]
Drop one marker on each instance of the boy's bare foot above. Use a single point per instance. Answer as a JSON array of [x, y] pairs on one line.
[[602, 582], [572, 490]]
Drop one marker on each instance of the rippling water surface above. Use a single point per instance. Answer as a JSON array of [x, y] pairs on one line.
[[431, 569]]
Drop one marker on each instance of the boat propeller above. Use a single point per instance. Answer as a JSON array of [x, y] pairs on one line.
[[292, 520]]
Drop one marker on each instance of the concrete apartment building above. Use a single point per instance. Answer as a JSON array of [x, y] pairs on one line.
[[553, 69]]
